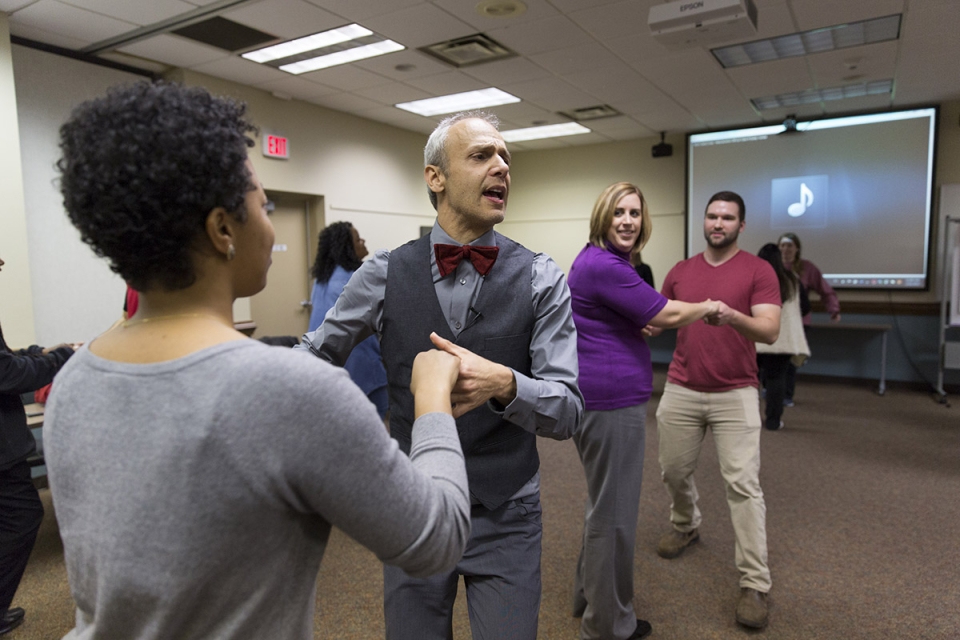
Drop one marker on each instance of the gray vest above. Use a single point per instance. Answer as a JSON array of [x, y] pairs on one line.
[[500, 456]]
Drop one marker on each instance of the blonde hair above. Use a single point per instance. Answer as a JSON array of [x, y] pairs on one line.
[[602, 216]]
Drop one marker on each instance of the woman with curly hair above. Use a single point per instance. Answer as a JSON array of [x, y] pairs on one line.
[[196, 473], [340, 250]]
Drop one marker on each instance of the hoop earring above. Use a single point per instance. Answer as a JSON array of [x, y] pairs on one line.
[[231, 252]]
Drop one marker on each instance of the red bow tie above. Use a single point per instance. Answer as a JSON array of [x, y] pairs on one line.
[[450, 255]]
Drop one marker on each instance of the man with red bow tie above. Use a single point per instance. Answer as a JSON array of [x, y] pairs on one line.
[[505, 312]]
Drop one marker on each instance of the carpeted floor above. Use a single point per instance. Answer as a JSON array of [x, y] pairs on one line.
[[863, 526]]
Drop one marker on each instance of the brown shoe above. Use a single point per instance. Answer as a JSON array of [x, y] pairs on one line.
[[674, 542], [752, 608]]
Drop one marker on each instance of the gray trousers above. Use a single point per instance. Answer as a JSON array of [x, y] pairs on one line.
[[611, 446], [501, 572]]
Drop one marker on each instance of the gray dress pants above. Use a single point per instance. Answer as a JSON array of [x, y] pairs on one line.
[[611, 446], [501, 573]]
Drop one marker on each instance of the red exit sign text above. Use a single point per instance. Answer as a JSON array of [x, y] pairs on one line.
[[275, 147]]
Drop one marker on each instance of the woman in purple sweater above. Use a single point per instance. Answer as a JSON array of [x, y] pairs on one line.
[[611, 307]]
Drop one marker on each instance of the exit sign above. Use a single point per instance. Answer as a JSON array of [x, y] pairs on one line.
[[275, 147]]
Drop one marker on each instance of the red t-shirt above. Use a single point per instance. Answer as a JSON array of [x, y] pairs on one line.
[[711, 358]]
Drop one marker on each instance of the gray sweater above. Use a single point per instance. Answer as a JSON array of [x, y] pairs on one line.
[[195, 496]]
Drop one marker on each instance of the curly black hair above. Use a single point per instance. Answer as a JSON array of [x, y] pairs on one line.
[[143, 166], [335, 247]]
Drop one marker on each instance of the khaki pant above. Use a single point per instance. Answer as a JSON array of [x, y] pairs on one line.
[[734, 417]]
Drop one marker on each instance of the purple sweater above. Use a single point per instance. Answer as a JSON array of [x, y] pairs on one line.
[[611, 306]]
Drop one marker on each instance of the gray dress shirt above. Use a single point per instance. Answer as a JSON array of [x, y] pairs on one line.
[[548, 404]]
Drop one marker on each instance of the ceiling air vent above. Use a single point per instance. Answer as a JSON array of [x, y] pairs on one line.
[[224, 34], [591, 113], [469, 50]]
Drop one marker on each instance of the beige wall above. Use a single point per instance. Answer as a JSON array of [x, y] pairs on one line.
[[371, 175], [17, 300], [553, 192], [368, 173]]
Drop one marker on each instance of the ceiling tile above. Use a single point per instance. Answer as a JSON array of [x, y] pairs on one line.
[[610, 83], [773, 19], [857, 64], [552, 94], [392, 92], [346, 77], [297, 87], [771, 78], [285, 18], [359, 10], [815, 14], [240, 71], [651, 100], [690, 74], [614, 20], [467, 12], [506, 71], [927, 69], [572, 54], [412, 63], [670, 121], [40, 35], [569, 6], [402, 119], [64, 19], [584, 57], [442, 84], [9, 6], [139, 13], [175, 51], [521, 115], [854, 105], [418, 26], [543, 35]]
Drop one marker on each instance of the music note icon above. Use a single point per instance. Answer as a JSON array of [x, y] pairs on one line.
[[797, 209]]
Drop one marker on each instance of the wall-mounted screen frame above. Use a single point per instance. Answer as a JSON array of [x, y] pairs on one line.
[[857, 191]]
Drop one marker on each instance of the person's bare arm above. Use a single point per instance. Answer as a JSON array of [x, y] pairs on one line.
[[762, 325], [678, 314]]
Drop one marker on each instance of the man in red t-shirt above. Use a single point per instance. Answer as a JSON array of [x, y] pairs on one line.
[[712, 383]]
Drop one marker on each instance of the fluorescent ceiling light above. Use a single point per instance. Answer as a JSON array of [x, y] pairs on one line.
[[841, 36], [342, 57], [876, 87], [458, 102], [547, 131], [308, 43]]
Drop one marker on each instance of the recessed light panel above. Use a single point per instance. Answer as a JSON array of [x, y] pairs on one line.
[[842, 36], [546, 131], [326, 49], [810, 96], [459, 102]]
